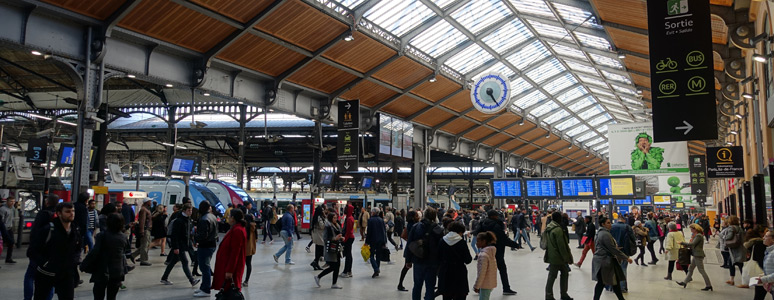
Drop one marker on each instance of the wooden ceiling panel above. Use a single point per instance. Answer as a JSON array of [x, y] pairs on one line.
[[497, 139], [628, 40], [95, 9], [369, 93], [560, 162], [560, 146], [478, 116], [503, 120], [526, 149], [626, 12], [457, 126], [433, 117], [510, 145], [403, 72], [176, 24], [637, 64], [404, 106], [640, 80], [478, 133], [519, 129], [361, 54], [240, 10], [261, 55], [322, 77], [459, 102], [576, 155], [434, 91], [302, 25], [540, 155], [535, 133], [545, 141]]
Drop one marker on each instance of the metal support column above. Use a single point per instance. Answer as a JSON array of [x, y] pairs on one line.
[[316, 159], [419, 170], [470, 184], [761, 217], [242, 141], [100, 141], [740, 199], [394, 181], [748, 204], [499, 172]]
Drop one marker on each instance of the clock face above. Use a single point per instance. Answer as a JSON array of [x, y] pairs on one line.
[[491, 93]]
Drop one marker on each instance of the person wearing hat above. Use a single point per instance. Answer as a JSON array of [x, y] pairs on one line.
[[143, 232], [645, 157], [493, 224], [641, 235]]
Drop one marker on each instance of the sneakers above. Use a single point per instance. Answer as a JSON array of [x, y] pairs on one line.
[[166, 282], [376, 274], [195, 282], [290, 263], [346, 275], [244, 284], [200, 293], [336, 287], [532, 249], [145, 263], [402, 289], [276, 259], [317, 280], [10, 262], [308, 250]]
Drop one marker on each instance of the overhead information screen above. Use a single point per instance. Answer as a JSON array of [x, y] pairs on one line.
[[662, 200], [577, 187], [506, 188], [541, 188], [616, 187], [182, 165]]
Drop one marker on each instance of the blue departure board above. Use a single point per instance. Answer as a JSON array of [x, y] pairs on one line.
[[604, 201], [577, 187], [623, 202], [541, 188], [508, 188]]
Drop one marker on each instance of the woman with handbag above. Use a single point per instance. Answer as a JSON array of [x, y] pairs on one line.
[[672, 246], [734, 240], [230, 259], [605, 266], [332, 236], [641, 238], [697, 251], [754, 266], [107, 262], [318, 228]]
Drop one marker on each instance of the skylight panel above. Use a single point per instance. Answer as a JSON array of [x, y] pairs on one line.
[[581, 104], [602, 129], [624, 90], [529, 54], [592, 41], [472, 57], [586, 114], [580, 67], [438, 39], [546, 30], [561, 114], [568, 51], [608, 101], [544, 109], [572, 94], [590, 79], [477, 15], [443, 3], [599, 120], [529, 99], [533, 7], [567, 124], [576, 16], [560, 84], [603, 92], [586, 136], [399, 16], [631, 101], [596, 141], [508, 36], [607, 61], [577, 130], [500, 68], [350, 3], [546, 70], [618, 110], [616, 77], [519, 85], [600, 147]]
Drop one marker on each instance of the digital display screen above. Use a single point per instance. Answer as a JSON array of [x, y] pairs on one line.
[[197, 167], [509, 188], [182, 165], [66, 155], [367, 182], [616, 186], [662, 200], [623, 202], [541, 187], [645, 201], [604, 202], [326, 179], [577, 187]]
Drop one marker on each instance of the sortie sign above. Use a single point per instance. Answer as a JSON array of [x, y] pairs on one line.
[[682, 78]]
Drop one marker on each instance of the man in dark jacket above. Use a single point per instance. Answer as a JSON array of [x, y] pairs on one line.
[[521, 229], [376, 238], [82, 218], [495, 225], [128, 213], [624, 237], [181, 242], [58, 252], [425, 268], [39, 227], [207, 240], [580, 228], [558, 256]]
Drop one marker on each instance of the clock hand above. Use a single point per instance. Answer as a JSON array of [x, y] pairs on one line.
[[490, 92]]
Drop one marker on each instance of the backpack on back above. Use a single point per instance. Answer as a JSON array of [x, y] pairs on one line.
[[421, 248]]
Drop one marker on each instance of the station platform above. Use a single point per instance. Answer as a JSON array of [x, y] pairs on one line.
[[277, 281]]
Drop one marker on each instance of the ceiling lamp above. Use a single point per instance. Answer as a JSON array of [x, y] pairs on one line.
[[747, 95], [36, 53], [760, 58], [433, 79], [349, 38]]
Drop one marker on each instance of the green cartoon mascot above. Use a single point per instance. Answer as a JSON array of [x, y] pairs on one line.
[[646, 157]]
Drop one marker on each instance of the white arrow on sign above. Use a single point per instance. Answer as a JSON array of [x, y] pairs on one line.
[[346, 165], [698, 191], [687, 127], [348, 106]]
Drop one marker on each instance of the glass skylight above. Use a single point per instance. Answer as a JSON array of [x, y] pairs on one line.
[[472, 57], [477, 15], [581, 104], [603, 145], [593, 41], [529, 99], [576, 16], [591, 80], [546, 70], [586, 136], [500, 68], [600, 91], [519, 85], [561, 114], [599, 120], [567, 124], [399, 16], [533, 7], [572, 94], [508, 36], [597, 109], [529, 54], [602, 129], [560, 84], [582, 68], [438, 39], [350, 3], [577, 130], [568, 51], [443, 3], [547, 30], [607, 61], [544, 109], [616, 77], [596, 141]]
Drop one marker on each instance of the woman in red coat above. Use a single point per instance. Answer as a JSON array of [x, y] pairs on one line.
[[230, 260]]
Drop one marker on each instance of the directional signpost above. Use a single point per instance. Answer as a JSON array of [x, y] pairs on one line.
[[349, 132], [682, 76], [698, 170]]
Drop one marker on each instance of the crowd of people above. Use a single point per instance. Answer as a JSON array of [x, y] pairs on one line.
[[437, 246]]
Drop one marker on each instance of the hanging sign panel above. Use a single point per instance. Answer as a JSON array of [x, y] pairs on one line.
[[725, 162], [681, 68], [698, 174]]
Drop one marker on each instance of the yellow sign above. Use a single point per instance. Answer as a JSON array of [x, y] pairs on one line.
[[662, 200], [100, 190], [621, 186]]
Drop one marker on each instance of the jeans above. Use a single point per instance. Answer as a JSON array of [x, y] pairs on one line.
[[523, 232], [89, 238], [483, 294], [375, 263], [112, 287], [204, 256], [473, 245], [652, 252], [424, 274], [173, 260], [623, 284], [563, 280], [64, 285], [697, 262], [29, 282], [348, 255], [288, 239]]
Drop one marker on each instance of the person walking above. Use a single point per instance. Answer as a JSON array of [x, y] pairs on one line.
[[522, 229], [486, 279], [38, 233], [9, 213], [641, 237], [580, 228], [267, 213], [605, 266], [92, 220], [733, 238], [411, 218], [348, 239], [57, 254], [768, 264], [286, 233], [376, 238], [453, 256], [697, 257], [108, 258], [674, 239], [318, 229], [474, 221], [250, 245], [558, 256], [159, 228], [363, 223], [424, 259], [389, 221], [82, 219], [757, 250], [722, 243], [400, 224], [206, 240], [230, 260], [625, 238], [143, 232], [588, 240], [652, 237], [332, 254], [179, 245], [492, 223]]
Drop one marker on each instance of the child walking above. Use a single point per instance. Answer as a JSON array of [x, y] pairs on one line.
[[486, 279]]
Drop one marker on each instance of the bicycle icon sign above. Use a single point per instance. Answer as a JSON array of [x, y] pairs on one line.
[[668, 64]]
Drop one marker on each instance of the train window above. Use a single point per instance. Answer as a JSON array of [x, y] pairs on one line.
[[172, 199]]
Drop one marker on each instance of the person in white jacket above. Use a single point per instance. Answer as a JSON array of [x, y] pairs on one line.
[[672, 246]]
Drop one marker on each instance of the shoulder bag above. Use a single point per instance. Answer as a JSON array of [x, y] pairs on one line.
[[231, 293]]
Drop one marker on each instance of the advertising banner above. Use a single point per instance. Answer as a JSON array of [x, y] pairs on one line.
[[632, 151]]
